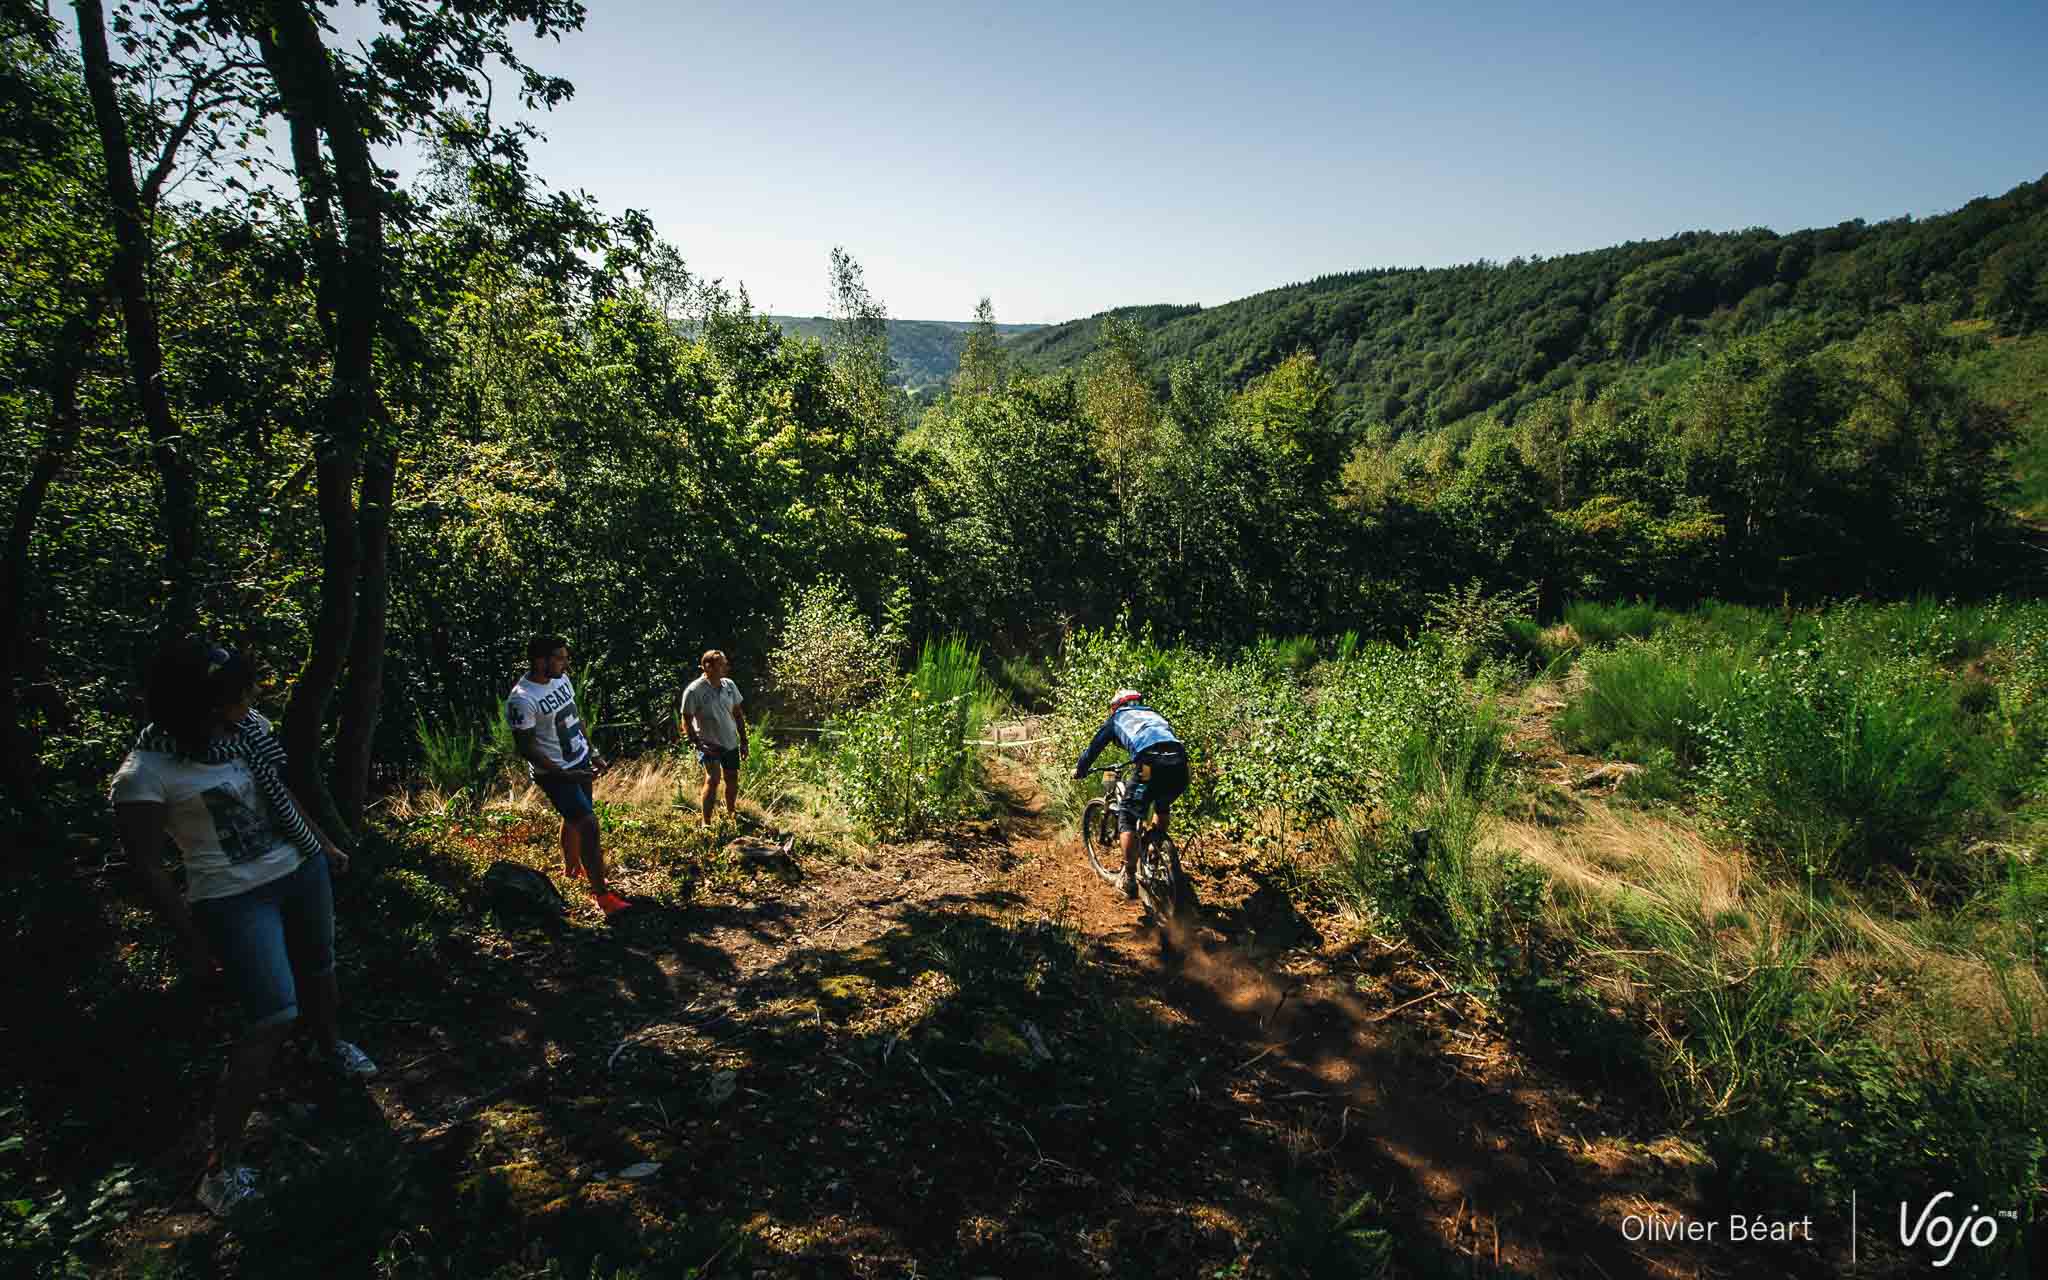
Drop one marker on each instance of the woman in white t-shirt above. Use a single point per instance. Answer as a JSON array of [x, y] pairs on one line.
[[208, 773]]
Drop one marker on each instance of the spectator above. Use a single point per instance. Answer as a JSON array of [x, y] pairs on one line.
[[714, 722], [548, 732], [257, 903]]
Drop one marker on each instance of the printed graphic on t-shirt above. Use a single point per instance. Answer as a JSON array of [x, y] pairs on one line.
[[550, 712], [569, 732], [244, 834]]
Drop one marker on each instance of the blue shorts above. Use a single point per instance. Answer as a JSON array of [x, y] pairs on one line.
[[727, 758], [266, 935], [570, 796]]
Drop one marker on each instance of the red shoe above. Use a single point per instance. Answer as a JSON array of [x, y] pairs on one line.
[[576, 872], [610, 903]]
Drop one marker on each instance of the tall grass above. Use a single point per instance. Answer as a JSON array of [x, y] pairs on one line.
[[462, 755], [774, 772], [1728, 1020], [1596, 623], [1641, 698], [1419, 858], [902, 764], [1027, 683], [1546, 650], [1283, 655]]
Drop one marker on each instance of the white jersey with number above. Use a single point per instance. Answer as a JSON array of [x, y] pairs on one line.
[[549, 710]]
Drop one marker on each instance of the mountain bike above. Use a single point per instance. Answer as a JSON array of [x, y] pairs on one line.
[[1161, 885]]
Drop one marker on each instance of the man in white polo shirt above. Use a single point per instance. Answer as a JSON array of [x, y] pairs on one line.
[[714, 722]]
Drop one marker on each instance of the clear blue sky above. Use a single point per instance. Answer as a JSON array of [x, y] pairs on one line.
[[1063, 159]]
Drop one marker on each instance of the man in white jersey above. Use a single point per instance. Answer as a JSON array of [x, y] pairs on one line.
[[713, 721], [549, 733]]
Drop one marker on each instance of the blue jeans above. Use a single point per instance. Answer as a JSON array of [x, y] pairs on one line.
[[264, 935]]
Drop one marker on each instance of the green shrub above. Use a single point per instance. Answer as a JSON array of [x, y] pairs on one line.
[[1923, 628], [2020, 704], [1283, 656], [1539, 648], [1926, 1119], [1027, 682], [1842, 770], [2023, 909], [1744, 630], [830, 658], [1475, 622]]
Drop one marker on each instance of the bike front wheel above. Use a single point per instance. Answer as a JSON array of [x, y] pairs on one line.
[[1099, 838]]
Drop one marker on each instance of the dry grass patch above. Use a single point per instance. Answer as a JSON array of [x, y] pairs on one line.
[[1610, 852]]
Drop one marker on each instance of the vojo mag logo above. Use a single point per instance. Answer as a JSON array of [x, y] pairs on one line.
[[1936, 1228]]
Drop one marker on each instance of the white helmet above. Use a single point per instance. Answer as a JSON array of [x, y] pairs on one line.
[[1125, 696]]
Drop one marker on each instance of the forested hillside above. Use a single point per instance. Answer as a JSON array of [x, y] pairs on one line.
[[924, 353], [1613, 693], [1748, 415], [1413, 349]]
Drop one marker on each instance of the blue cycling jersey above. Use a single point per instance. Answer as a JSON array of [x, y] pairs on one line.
[[1136, 726]]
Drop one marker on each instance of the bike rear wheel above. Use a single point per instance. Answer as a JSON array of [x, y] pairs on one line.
[[1099, 838], [1161, 884]]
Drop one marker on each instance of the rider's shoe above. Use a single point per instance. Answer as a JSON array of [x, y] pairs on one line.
[[1129, 883]]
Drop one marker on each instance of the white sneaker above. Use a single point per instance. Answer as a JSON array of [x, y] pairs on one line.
[[229, 1188], [345, 1059]]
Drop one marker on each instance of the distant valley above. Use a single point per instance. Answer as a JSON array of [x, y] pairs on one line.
[[926, 352]]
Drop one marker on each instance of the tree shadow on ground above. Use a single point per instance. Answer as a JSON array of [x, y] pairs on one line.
[[974, 1089]]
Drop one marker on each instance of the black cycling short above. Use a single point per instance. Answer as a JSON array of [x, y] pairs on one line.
[[1161, 777]]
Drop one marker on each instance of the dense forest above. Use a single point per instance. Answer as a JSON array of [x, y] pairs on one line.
[[1753, 515], [1415, 349], [349, 422]]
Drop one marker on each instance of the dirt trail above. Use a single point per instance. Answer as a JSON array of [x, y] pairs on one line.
[[1511, 1168], [1484, 1146], [1291, 1045]]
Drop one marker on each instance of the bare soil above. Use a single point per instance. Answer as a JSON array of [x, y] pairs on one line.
[[965, 1056]]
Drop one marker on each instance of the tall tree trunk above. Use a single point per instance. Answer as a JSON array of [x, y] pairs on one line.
[[360, 704], [67, 370], [305, 716], [349, 266], [129, 277]]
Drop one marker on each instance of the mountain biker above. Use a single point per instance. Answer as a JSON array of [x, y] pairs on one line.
[[1162, 771]]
